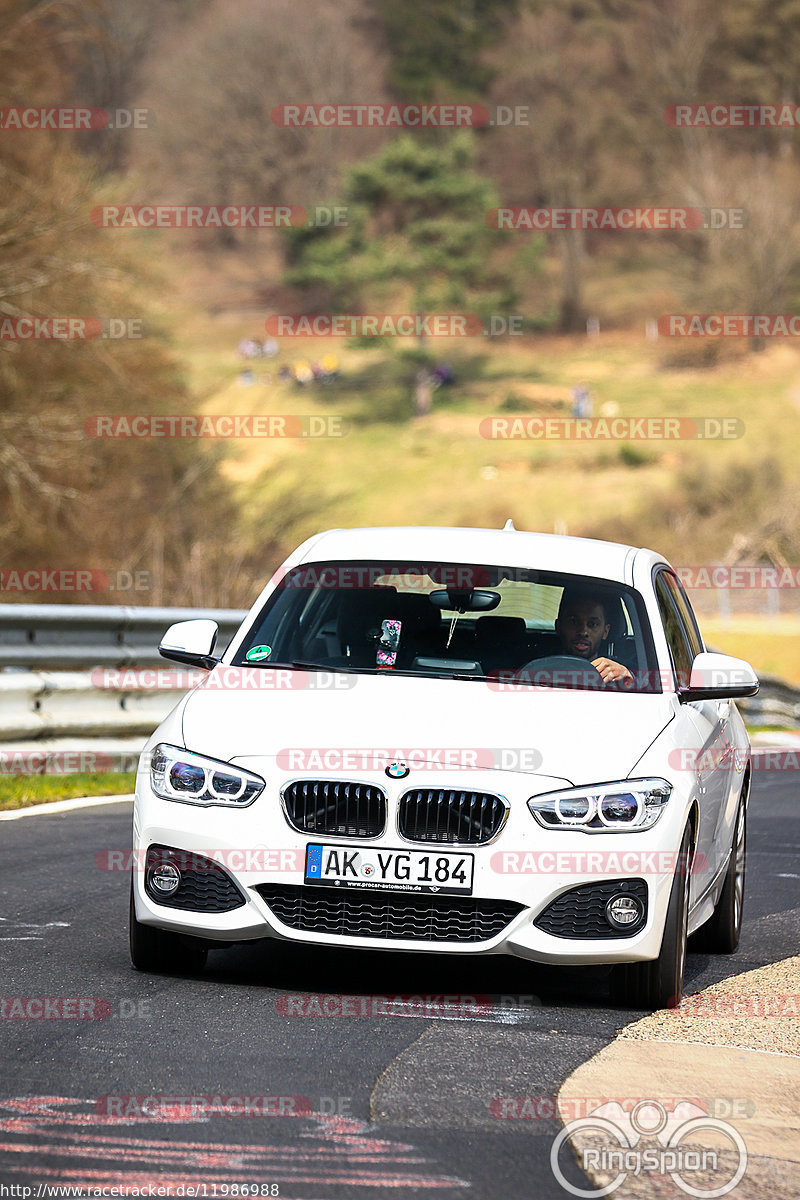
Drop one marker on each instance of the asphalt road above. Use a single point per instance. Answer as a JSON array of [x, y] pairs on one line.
[[373, 1106]]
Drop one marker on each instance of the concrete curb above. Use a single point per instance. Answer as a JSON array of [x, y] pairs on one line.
[[695, 1065]]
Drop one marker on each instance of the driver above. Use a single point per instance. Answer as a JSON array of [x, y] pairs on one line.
[[583, 626]]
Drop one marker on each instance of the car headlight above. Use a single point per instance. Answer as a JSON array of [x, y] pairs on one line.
[[625, 807], [190, 778]]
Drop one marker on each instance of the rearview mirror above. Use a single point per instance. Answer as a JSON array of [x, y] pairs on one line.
[[465, 599], [719, 677], [191, 642]]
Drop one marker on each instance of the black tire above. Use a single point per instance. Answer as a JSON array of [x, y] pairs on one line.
[[659, 984], [156, 950], [720, 934]]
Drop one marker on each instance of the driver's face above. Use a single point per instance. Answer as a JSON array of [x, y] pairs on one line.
[[582, 627]]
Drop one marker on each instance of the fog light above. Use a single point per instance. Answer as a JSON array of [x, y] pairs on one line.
[[624, 911], [165, 879]]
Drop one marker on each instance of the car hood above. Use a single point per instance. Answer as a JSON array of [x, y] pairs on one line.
[[306, 720]]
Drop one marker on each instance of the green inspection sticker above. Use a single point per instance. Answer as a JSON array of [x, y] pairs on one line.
[[257, 653]]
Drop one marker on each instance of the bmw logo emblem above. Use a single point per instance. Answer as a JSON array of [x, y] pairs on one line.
[[397, 770]]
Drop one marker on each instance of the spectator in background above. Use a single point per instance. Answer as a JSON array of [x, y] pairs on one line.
[[581, 401]]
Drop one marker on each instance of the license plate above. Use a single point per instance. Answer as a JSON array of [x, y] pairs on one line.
[[389, 870]]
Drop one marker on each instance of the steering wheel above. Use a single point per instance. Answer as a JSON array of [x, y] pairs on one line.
[[561, 662]]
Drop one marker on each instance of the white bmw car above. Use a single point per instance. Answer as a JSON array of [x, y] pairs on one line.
[[460, 741]]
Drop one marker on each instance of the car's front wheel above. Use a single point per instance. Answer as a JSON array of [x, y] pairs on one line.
[[156, 950], [659, 984], [720, 934]]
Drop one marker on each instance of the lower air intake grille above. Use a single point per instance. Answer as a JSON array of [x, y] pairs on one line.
[[397, 916], [339, 807], [448, 815], [204, 886], [581, 912]]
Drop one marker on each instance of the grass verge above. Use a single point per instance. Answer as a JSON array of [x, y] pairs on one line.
[[22, 791]]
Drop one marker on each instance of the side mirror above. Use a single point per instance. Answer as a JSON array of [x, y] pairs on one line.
[[719, 677], [191, 642]]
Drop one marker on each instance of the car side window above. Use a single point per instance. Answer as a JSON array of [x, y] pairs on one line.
[[675, 632], [685, 612]]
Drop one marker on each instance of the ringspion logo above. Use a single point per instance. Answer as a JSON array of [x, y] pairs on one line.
[[683, 1143]]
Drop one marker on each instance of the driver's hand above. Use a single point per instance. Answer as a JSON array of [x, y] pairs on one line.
[[612, 672]]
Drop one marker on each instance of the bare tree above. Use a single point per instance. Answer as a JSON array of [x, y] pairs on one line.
[[563, 68], [214, 86]]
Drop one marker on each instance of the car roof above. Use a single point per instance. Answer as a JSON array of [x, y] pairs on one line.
[[496, 547]]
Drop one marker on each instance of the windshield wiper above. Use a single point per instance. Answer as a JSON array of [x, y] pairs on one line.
[[310, 666]]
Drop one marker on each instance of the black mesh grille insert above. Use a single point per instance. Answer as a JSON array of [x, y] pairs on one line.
[[448, 815], [391, 916], [581, 912], [204, 886], [339, 807]]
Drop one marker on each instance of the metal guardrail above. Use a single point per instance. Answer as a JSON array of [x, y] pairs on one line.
[[72, 704], [56, 715], [777, 703], [70, 636]]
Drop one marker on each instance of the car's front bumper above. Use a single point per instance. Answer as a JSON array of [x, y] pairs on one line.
[[525, 865]]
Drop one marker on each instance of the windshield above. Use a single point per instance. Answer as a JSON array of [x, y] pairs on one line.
[[504, 625]]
